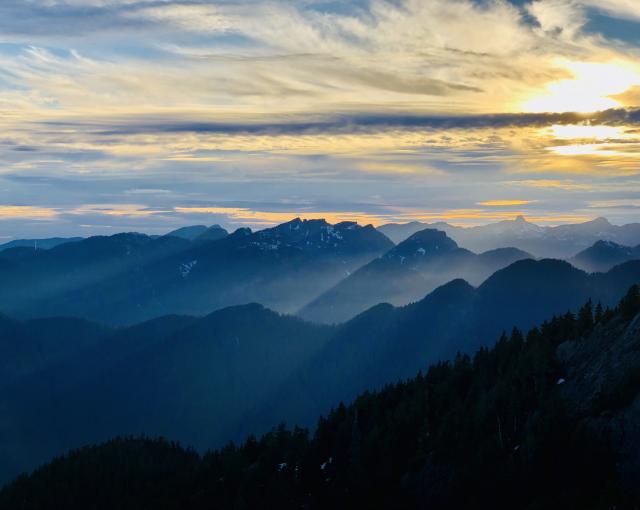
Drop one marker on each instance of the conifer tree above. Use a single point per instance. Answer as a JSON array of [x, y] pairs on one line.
[[585, 319]]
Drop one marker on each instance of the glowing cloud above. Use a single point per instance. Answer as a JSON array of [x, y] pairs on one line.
[[26, 212], [504, 203], [574, 132], [589, 90]]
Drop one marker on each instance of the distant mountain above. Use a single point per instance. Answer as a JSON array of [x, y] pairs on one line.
[[212, 233], [200, 233], [604, 255], [561, 242], [128, 278], [189, 233], [547, 419], [39, 244], [409, 271], [399, 232], [50, 282], [178, 376]]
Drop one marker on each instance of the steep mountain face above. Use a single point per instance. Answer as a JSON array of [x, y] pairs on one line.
[[186, 378], [415, 267], [39, 244], [128, 278], [549, 420], [604, 255], [602, 388], [562, 241]]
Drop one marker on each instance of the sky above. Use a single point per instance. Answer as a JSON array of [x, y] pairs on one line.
[[148, 115]]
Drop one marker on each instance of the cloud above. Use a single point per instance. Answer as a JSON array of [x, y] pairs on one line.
[[504, 203], [26, 212], [619, 8], [114, 112], [117, 210]]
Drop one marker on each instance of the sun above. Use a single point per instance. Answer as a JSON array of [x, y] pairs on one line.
[[589, 90]]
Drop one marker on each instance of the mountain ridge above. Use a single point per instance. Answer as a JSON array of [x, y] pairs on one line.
[[561, 241]]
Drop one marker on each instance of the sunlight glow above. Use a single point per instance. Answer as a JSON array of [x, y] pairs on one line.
[[589, 90], [575, 132], [587, 149]]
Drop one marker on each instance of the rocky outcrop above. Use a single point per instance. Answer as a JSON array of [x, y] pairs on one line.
[[602, 386]]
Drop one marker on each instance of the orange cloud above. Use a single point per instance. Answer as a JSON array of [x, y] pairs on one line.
[[26, 211], [504, 203]]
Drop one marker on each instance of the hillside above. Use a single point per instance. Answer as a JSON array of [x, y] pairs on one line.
[[188, 378]]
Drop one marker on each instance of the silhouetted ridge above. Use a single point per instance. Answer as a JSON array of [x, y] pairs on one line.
[[604, 255], [529, 423], [426, 243], [190, 232], [131, 277], [406, 273], [533, 273]]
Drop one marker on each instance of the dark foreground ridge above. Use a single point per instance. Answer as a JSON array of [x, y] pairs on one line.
[[531, 423]]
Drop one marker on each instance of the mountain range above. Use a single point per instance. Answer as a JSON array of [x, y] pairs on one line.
[[542, 420], [562, 241], [406, 273], [131, 277], [243, 369]]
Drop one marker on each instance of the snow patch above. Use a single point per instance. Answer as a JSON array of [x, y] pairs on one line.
[[186, 268]]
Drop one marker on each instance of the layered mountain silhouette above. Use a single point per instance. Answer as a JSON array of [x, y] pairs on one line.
[[385, 344], [409, 271], [604, 255], [127, 278], [546, 419], [562, 241], [244, 369]]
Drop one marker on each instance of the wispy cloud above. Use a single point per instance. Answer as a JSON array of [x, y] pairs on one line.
[[350, 109]]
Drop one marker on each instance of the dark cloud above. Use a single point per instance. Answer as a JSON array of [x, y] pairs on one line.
[[356, 123]]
